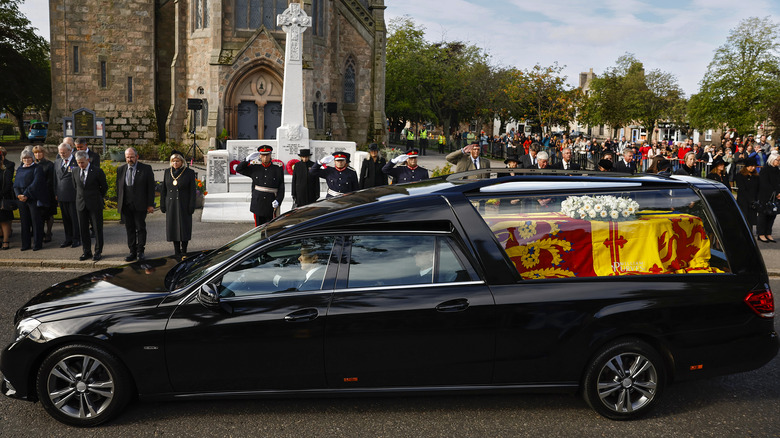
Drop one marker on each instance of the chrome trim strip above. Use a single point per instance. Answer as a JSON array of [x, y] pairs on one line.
[[411, 286]]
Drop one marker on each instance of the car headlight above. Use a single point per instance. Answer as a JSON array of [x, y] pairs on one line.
[[28, 328]]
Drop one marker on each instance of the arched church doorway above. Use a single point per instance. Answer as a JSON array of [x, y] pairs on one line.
[[254, 105]]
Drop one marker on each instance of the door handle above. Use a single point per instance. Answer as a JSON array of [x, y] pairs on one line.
[[458, 305], [302, 315]]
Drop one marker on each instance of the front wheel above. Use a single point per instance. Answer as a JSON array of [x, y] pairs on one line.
[[625, 380], [83, 385]]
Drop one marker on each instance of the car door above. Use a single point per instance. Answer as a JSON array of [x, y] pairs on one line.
[[408, 310], [267, 331]]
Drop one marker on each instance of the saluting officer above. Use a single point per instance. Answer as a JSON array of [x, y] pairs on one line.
[[340, 179], [409, 173], [267, 183]]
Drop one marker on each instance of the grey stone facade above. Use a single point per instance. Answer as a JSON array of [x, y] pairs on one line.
[[172, 53]]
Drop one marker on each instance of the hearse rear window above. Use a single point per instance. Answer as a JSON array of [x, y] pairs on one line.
[[604, 234]]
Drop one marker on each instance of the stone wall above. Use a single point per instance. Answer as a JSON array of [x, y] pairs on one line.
[[121, 34]]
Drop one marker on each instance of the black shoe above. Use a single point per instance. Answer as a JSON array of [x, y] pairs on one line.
[[97, 256], [130, 258], [85, 256], [76, 244], [141, 256], [65, 244], [47, 238], [37, 248], [24, 249]]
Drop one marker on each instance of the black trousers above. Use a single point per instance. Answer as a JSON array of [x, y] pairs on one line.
[[30, 217], [764, 225], [70, 221], [135, 225], [96, 217]]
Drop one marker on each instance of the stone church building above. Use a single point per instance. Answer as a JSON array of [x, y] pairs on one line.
[[138, 63]]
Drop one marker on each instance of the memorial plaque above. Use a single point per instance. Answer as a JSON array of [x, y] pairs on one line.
[[217, 171], [84, 122]]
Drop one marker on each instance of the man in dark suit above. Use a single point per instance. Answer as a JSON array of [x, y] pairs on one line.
[[66, 195], [305, 187], [91, 187], [626, 164], [528, 161], [94, 157], [135, 193], [566, 162]]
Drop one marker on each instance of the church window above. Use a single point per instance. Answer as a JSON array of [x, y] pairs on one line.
[[130, 89], [103, 74], [202, 16], [251, 14], [318, 17], [76, 59], [349, 81], [204, 113]]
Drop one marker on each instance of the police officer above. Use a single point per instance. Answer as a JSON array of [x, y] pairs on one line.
[[409, 173], [340, 178], [267, 183], [371, 174], [409, 138], [423, 140]]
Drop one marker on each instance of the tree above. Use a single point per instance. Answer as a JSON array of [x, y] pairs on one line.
[[24, 65], [741, 86], [627, 94], [540, 94]]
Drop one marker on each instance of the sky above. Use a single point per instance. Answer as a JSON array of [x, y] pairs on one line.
[[675, 36]]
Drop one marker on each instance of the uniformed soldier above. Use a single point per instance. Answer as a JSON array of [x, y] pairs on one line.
[[340, 178], [371, 174], [409, 173], [267, 183], [305, 186]]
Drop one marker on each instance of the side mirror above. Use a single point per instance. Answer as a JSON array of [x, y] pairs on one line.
[[208, 295]]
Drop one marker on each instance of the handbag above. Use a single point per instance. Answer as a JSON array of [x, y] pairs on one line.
[[772, 207], [7, 205]]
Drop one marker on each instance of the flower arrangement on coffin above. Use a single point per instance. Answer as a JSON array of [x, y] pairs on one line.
[[605, 208]]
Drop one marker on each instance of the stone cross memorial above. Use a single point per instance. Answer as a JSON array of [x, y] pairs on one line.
[[229, 195]]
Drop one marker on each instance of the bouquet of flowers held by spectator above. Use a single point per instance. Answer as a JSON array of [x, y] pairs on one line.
[[607, 208]]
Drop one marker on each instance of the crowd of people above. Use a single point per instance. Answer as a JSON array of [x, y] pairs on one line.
[[75, 185]]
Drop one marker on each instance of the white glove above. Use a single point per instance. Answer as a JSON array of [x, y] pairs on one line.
[[327, 160], [400, 159], [275, 204], [253, 156]]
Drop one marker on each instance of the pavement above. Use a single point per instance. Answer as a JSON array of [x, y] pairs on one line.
[[205, 235]]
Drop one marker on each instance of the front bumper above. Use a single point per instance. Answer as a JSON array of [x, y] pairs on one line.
[[16, 366]]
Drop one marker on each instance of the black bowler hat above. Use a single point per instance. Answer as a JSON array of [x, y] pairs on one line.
[[304, 153], [751, 161], [663, 165], [265, 149], [373, 147], [511, 158], [341, 155], [717, 162], [605, 164]]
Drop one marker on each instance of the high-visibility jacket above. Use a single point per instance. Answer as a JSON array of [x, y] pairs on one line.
[[409, 134], [424, 134], [442, 139]]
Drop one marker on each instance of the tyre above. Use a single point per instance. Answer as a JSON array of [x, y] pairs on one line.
[[625, 380], [83, 385]]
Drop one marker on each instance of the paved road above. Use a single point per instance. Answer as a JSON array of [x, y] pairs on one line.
[[746, 404]]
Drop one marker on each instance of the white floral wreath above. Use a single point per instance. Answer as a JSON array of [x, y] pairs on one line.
[[610, 208]]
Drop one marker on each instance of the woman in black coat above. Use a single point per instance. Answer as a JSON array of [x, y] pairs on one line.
[[747, 190], [768, 190], [30, 191], [177, 201], [50, 210], [689, 166], [718, 172], [8, 198]]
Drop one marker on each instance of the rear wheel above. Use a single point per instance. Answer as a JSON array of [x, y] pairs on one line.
[[83, 385], [625, 380]]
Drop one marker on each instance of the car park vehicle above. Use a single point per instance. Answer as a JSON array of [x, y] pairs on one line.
[[38, 131], [531, 280]]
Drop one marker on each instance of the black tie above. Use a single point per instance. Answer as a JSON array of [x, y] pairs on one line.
[[83, 176]]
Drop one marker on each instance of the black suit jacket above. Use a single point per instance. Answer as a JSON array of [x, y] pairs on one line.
[[94, 157], [620, 166], [142, 190], [89, 195], [63, 179], [525, 162], [572, 165]]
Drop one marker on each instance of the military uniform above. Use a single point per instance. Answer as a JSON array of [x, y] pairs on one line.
[[340, 181], [406, 174], [267, 186]]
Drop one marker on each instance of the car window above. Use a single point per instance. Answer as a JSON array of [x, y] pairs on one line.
[[38, 126], [642, 232], [390, 260], [294, 266]]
